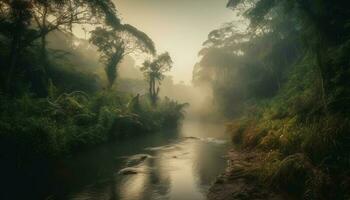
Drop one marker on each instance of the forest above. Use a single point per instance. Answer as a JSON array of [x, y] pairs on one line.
[[88, 109], [57, 97], [281, 75]]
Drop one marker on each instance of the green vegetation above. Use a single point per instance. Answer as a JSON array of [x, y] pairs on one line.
[[154, 72], [53, 99], [283, 80], [115, 44], [33, 128]]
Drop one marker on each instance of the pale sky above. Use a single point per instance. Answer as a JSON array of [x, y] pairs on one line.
[[177, 26]]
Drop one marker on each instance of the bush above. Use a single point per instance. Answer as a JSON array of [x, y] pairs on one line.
[[326, 141], [35, 128], [292, 173]]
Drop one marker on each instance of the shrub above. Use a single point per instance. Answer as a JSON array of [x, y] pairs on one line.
[[236, 129], [37, 129], [292, 173], [326, 141]]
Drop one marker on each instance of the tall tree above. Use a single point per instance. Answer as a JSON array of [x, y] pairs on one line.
[[154, 72], [245, 64], [15, 18], [52, 15], [25, 21], [115, 44], [322, 25]]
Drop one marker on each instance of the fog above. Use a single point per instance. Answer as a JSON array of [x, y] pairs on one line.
[[179, 27], [129, 99]]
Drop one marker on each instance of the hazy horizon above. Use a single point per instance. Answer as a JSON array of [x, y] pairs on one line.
[[179, 27]]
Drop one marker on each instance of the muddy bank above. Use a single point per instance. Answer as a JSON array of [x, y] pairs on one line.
[[238, 181]]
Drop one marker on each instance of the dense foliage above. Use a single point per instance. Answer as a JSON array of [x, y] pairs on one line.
[[283, 77], [115, 44], [154, 72], [33, 128], [53, 96]]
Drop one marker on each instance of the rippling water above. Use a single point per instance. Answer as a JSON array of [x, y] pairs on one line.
[[174, 165]]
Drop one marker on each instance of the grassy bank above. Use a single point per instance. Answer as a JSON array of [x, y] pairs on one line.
[[284, 82], [304, 143], [305, 157]]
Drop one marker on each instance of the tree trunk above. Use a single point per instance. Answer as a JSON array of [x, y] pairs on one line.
[[150, 88], [153, 94], [321, 68], [13, 61], [45, 66], [112, 69], [44, 54]]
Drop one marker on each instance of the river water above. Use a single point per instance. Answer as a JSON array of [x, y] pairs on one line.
[[175, 165]]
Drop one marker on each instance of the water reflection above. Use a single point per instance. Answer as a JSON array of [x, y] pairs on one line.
[[173, 166], [182, 170]]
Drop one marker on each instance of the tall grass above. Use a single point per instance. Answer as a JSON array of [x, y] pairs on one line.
[[306, 145]]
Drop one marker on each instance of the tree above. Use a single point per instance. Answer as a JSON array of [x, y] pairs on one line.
[[25, 21], [322, 25], [115, 44], [52, 15], [242, 65], [15, 18], [154, 72]]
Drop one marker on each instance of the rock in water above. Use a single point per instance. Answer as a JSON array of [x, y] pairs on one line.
[[192, 138], [128, 171], [137, 159]]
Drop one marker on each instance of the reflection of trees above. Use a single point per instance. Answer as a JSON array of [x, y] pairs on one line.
[[105, 190], [89, 167], [207, 159], [113, 190], [144, 186], [159, 178]]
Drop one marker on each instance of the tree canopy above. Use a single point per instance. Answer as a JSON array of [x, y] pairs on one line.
[[154, 72], [115, 44]]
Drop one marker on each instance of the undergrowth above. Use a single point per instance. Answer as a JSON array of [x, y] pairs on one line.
[[306, 144], [34, 128]]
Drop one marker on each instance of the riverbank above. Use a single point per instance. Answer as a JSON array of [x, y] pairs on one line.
[[240, 182], [33, 128], [303, 161]]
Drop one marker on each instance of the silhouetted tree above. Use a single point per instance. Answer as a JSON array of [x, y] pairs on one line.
[[24, 21], [115, 44], [15, 20], [154, 72]]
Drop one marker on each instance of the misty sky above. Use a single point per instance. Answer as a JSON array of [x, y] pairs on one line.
[[177, 26]]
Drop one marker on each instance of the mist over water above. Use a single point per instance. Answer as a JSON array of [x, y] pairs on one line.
[[128, 99]]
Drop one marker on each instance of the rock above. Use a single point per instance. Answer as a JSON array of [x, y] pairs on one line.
[[192, 138], [164, 148], [137, 159], [213, 140], [128, 171]]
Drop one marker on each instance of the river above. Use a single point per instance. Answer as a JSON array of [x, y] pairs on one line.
[[176, 165]]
